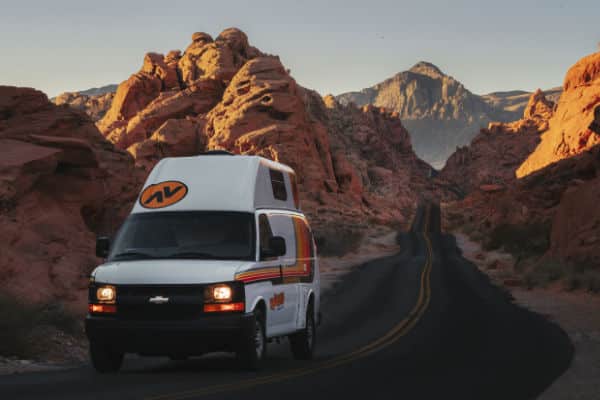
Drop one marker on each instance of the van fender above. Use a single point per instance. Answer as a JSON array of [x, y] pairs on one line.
[[305, 294], [255, 302]]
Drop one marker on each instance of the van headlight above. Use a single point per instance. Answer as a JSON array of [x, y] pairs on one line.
[[224, 297], [106, 294], [222, 293]]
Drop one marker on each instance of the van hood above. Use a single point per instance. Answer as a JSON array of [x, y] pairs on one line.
[[167, 272]]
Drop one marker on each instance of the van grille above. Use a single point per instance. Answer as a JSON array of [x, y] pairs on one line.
[[185, 302]]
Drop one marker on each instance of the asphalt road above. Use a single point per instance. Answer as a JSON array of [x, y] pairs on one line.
[[423, 324]]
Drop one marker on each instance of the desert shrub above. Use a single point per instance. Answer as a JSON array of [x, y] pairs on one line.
[[545, 272], [580, 277], [530, 239], [469, 229], [19, 320], [16, 322], [591, 281], [338, 241], [56, 315], [575, 276]]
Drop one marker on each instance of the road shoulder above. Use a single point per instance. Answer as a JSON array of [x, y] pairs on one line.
[[578, 314]]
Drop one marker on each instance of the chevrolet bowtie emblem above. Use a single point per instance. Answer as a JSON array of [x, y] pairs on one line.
[[158, 300]]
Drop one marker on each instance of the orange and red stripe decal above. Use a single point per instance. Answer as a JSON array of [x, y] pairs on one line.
[[302, 268], [259, 274], [303, 265]]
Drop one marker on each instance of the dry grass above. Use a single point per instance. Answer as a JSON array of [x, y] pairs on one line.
[[20, 321], [572, 276], [520, 240]]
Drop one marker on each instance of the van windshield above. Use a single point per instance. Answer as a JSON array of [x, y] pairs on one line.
[[185, 235]]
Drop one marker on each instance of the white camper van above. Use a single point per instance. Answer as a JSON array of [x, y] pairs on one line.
[[215, 256]]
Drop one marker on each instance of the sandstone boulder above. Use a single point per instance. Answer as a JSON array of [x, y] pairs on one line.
[[262, 112]]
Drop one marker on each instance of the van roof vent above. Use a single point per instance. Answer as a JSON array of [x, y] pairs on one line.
[[217, 153]]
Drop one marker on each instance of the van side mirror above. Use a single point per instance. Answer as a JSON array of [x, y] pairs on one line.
[[102, 246], [276, 248]]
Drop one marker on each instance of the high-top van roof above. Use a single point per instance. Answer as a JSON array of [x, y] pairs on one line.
[[216, 182]]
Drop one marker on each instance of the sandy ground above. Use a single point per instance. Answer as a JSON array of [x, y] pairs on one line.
[[578, 313]]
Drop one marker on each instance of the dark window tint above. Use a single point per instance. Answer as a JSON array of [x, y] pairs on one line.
[[265, 233], [186, 234], [278, 184]]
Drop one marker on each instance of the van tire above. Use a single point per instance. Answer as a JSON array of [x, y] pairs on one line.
[[254, 347], [104, 359], [303, 343]]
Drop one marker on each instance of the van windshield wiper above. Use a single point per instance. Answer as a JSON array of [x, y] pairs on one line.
[[134, 253], [194, 254]]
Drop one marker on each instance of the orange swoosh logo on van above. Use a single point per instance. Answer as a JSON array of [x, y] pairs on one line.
[[163, 194]]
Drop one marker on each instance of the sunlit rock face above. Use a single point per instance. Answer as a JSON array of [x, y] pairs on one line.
[[495, 154], [569, 130], [223, 93]]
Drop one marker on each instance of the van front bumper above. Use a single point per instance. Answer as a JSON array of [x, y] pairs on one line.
[[226, 332]]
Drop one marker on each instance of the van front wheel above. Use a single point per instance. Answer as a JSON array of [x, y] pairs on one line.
[[303, 343], [254, 348], [104, 359]]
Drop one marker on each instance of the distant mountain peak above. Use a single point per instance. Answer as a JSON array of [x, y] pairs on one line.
[[428, 69]]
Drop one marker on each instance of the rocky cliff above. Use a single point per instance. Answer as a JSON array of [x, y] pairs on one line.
[[63, 180], [95, 105], [578, 108], [226, 94], [515, 101], [543, 192], [439, 111], [493, 156], [61, 183]]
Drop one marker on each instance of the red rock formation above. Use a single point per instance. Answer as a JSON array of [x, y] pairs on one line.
[[175, 86], [95, 106], [559, 196], [231, 96], [575, 234], [495, 153], [558, 181], [569, 130], [380, 159], [61, 184], [262, 112]]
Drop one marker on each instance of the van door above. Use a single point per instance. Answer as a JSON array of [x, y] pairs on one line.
[[302, 272], [283, 303], [274, 314]]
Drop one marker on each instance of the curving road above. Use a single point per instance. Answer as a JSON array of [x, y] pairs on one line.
[[421, 324]]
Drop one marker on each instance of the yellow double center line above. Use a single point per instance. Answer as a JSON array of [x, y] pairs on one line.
[[398, 331]]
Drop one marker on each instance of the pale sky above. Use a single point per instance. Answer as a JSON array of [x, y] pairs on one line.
[[330, 46]]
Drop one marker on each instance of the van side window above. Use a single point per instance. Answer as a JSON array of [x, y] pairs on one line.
[[283, 226], [278, 184], [265, 232]]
